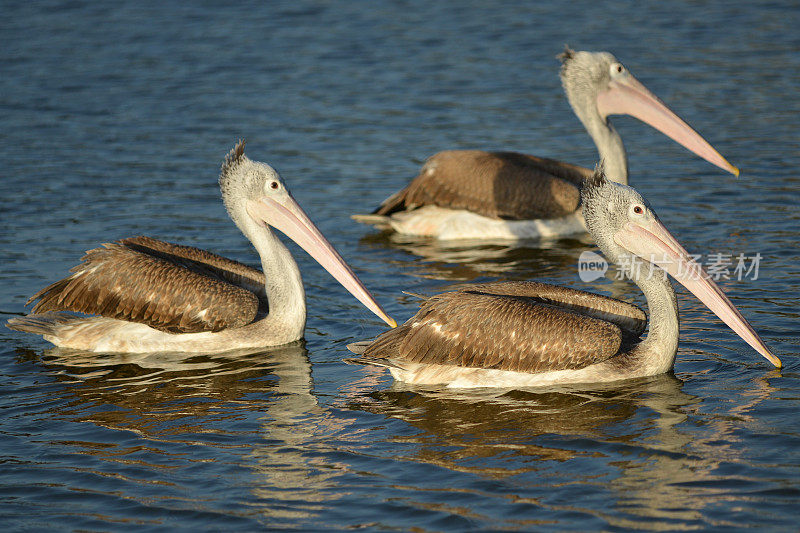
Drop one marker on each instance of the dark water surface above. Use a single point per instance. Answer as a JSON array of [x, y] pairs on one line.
[[113, 122]]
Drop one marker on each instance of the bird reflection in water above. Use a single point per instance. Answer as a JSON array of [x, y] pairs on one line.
[[123, 379], [247, 416], [646, 446], [467, 260], [549, 260]]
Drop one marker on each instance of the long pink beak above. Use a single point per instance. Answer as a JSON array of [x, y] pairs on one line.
[[652, 242], [288, 217], [627, 96]]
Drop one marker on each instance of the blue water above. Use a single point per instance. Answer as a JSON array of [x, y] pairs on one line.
[[114, 120]]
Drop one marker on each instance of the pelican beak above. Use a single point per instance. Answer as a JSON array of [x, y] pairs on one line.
[[651, 241], [627, 96], [286, 215]]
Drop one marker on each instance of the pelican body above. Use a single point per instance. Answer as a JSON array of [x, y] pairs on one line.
[[148, 295], [531, 334], [473, 194]]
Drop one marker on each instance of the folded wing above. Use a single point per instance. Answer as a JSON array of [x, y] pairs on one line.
[[505, 185], [516, 326], [172, 288]]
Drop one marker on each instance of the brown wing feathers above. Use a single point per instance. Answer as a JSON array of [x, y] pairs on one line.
[[219, 265], [504, 185], [628, 317], [122, 280], [506, 326], [201, 261]]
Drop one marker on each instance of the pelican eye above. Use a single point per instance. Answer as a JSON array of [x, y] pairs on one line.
[[638, 209], [274, 185]]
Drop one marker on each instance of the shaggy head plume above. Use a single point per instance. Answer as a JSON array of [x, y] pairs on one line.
[[566, 55], [232, 160], [596, 180]]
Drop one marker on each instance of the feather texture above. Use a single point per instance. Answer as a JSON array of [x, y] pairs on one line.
[[173, 288], [503, 185], [515, 326]]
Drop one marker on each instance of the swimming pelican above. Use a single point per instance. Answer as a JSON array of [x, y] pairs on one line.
[[530, 334], [152, 295], [472, 194]]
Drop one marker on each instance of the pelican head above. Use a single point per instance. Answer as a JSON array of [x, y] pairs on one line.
[[598, 85], [257, 198], [625, 228]]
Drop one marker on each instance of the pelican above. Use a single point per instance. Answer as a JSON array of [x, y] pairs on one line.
[[472, 194], [532, 334], [153, 296]]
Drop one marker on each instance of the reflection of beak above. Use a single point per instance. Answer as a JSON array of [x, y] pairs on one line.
[[289, 218], [627, 96], [652, 242]]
